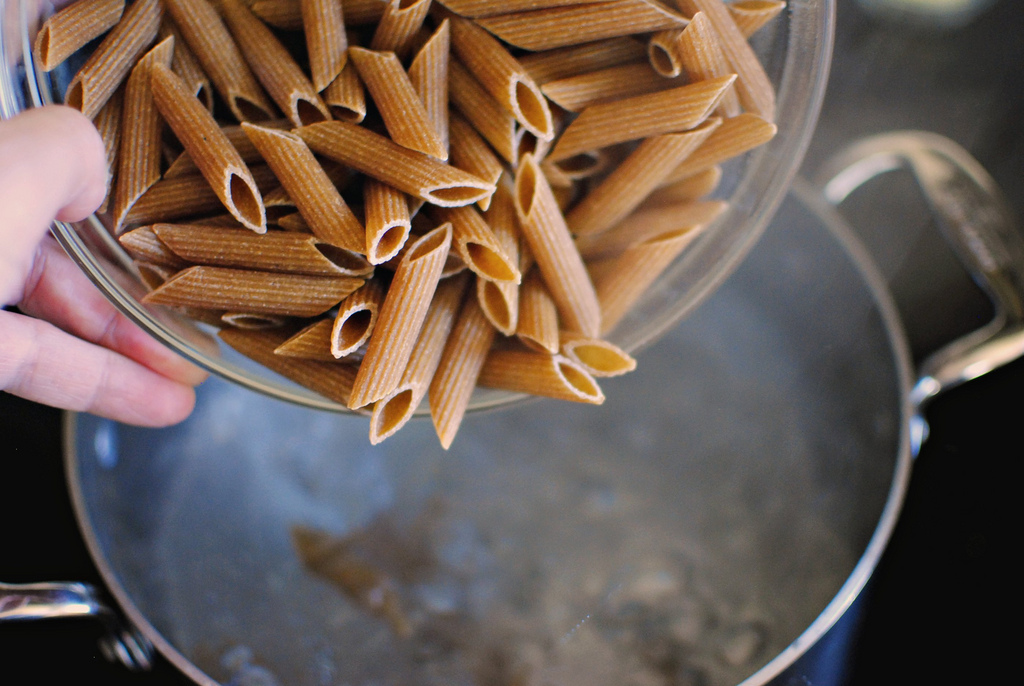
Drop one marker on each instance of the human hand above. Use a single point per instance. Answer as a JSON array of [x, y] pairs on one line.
[[69, 347]]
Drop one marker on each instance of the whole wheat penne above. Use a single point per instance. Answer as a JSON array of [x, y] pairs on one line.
[[499, 300], [475, 242], [67, 31], [356, 318], [561, 63], [404, 113], [664, 54], [185, 64], [217, 160], [428, 74], [287, 14], [735, 136], [625, 188], [502, 76], [641, 116], [144, 245], [293, 222], [544, 374], [312, 342], [253, 321], [556, 255], [621, 281], [108, 123], [153, 275], [702, 57], [244, 290], [560, 26], [138, 165], [646, 223], [276, 251], [329, 379], [309, 187], [537, 325], [755, 90], [392, 411], [487, 8], [387, 220], [527, 142], [108, 65], [599, 357], [401, 317], [455, 378], [184, 165], [469, 152], [690, 188], [585, 164], [274, 66], [398, 25], [487, 116], [326, 41], [751, 15], [606, 85], [409, 171], [217, 52], [345, 97]]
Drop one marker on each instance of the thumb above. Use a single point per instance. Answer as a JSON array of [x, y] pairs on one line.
[[52, 165]]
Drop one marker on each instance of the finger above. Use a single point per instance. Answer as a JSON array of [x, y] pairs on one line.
[[59, 292], [52, 165], [46, 365]]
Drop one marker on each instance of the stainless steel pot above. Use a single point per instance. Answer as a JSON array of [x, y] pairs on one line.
[[712, 523]]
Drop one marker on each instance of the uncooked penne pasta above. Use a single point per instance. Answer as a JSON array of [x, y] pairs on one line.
[[552, 247], [469, 152], [646, 223], [309, 187], [108, 123], [183, 165], [274, 66], [153, 275], [755, 90], [67, 31], [329, 379], [487, 8], [475, 242], [356, 319], [551, 65], [110, 63], [143, 244], [455, 378], [326, 41], [537, 326], [502, 76], [701, 55], [634, 178], [751, 15], [312, 342], [663, 53], [535, 373], [409, 171], [392, 411], [345, 97], [606, 85], [138, 165], [217, 52], [243, 290], [398, 25], [621, 281], [404, 113], [599, 357], [480, 109], [187, 196], [499, 300], [690, 188], [217, 160], [276, 251], [582, 23], [401, 317], [641, 116], [387, 220], [253, 321], [287, 14], [735, 136], [428, 74]]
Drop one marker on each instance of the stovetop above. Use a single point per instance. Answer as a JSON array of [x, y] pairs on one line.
[[935, 603]]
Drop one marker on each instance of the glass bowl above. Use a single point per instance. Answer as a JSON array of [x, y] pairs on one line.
[[795, 49]]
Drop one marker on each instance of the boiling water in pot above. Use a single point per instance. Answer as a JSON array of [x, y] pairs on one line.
[[684, 533]]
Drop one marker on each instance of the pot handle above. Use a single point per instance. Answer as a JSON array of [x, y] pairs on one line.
[[23, 602], [978, 225]]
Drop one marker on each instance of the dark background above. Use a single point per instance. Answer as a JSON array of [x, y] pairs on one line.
[[939, 602]]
